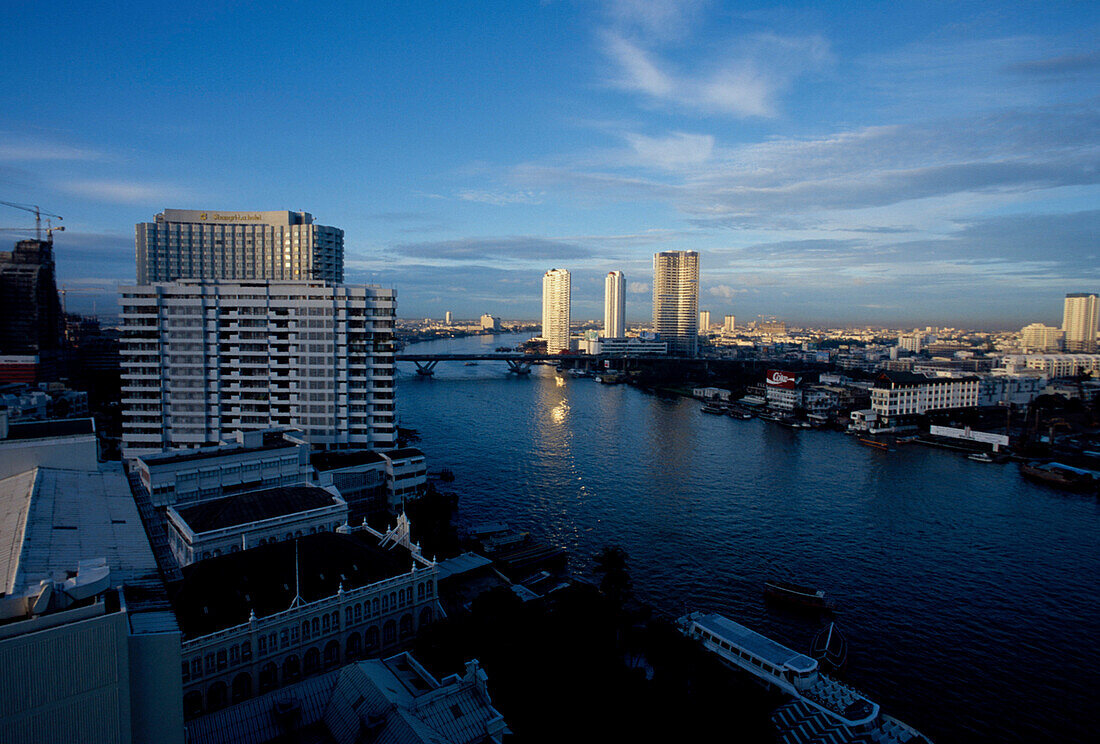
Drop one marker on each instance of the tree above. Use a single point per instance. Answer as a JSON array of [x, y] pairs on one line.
[[615, 584]]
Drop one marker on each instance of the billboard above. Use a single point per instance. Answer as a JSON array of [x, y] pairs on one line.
[[779, 378]]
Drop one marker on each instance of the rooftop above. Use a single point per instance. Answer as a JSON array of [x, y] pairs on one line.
[[254, 506], [54, 428], [344, 459], [271, 441], [404, 453], [220, 592], [756, 644]]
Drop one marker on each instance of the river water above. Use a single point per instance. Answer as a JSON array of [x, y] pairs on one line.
[[968, 595]]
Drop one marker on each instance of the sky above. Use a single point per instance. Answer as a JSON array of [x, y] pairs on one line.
[[898, 163]]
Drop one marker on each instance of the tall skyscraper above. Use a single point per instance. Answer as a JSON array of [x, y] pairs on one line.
[[447, 318], [614, 305], [196, 244], [555, 310], [704, 321], [676, 300], [1079, 321], [204, 359], [729, 324]]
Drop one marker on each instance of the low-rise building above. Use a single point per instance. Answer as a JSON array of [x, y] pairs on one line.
[[1055, 365], [266, 617], [1015, 388], [406, 473], [65, 443], [359, 475], [244, 461], [645, 344], [216, 527], [711, 393], [897, 398]]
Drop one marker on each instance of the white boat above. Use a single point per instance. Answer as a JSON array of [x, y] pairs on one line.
[[846, 713], [980, 457]]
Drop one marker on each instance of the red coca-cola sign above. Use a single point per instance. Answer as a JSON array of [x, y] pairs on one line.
[[779, 378]]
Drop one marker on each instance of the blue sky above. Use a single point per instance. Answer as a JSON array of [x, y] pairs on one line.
[[885, 163]]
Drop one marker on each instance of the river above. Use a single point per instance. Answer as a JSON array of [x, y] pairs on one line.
[[968, 595]]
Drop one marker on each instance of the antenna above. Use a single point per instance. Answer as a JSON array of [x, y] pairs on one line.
[[297, 586]]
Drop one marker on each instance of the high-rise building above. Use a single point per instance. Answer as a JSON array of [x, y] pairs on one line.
[[31, 323], [614, 305], [196, 244], [704, 321], [202, 360], [729, 324], [1079, 321], [555, 310], [490, 322], [447, 318], [1041, 338], [676, 300]]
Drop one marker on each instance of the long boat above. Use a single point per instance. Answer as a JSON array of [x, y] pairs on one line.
[[875, 444], [824, 709], [795, 594], [1060, 476]]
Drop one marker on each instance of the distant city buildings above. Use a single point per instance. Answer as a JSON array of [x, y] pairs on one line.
[[447, 317], [1079, 321], [614, 305], [729, 324], [490, 323], [31, 323], [204, 359], [704, 321], [1042, 339], [555, 310], [212, 244], [676, 300]]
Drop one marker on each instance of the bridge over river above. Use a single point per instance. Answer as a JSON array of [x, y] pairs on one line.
[[520, 363]]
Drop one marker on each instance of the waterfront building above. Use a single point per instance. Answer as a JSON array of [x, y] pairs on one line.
[[216, 527], [362, 478], [644, 344], [31, 322], [897, 398], [1080, 321], [704, 321], [260, 619], [555, 310], [1055, 365], [386, 700], [87, 636], [729, 324], [676, 300], [211, 244], [406, 474], [1042, 339], [614, 305], [204, 359], [490, 323]]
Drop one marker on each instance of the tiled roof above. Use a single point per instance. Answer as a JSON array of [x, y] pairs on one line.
[[253, 506]]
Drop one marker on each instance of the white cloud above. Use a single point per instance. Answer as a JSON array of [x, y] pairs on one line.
[[126, 192], [500, 198], [725, 291], [637, 288], [16, 148], [674, 151]]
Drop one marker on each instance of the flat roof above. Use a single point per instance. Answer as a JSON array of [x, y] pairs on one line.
[[50, 519], [253, 506], [272, 441], [55, 428], [344, 459], [220, 592], [756, 644], [404, 453]]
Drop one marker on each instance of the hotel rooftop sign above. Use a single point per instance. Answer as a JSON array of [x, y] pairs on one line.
[[214, 216]]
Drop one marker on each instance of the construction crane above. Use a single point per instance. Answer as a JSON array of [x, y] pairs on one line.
[[37, 218], [65, 289]]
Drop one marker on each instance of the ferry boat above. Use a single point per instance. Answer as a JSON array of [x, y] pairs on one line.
[[875, 444], [830, 648], [797, 595], [980, 457], [711, 408], [1060, 475], [825, 708]]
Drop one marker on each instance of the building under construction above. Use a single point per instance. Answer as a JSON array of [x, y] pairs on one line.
[[31, 323]]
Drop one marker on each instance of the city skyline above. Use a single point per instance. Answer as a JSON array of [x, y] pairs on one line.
[[902, 165]]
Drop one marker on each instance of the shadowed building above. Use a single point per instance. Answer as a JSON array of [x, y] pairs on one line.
[[31, 327], [676, 300]]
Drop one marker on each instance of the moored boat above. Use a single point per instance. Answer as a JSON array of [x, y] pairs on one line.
[[1060, 476], [711, 408], [830, 648], [797, 595], [980, 457], [874, 444]]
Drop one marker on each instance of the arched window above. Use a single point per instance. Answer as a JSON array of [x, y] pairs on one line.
[[419, 591], [242, 687], [192, 704], [216, 696], [354, 646], [385, 603], [332, 653], [389, 632], [347, 615], [336, 620], [358, 612], [393, 600], [223, 662], [269, 676], [315, 626], [291, 667], [305, 630], [428, 587], [246, 651], [234, 655], [425, 616], [312, 660], [374, 606], [326, 622], [406, 626], [371, 638]]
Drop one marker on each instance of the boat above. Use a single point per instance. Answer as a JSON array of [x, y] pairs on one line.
[[504, 348], [797, 595], [471, 364], [711, 408], [791, 423], [980, 457], [875, 444], [739, 414], [822, 709], [1060, 476], [830, 648]]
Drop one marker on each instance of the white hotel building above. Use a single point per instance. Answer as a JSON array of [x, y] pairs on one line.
[[555, 310], [204, 359], [211, 244], [614, 305], [898, 397]]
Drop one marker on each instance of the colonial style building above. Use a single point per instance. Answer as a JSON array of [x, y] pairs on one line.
[[898, 397]]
